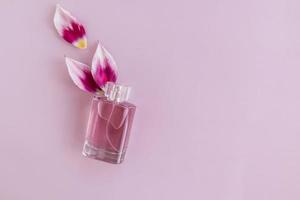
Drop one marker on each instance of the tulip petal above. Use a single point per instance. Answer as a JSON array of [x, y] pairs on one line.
[[69, 28], [104, 68], [81, 75]]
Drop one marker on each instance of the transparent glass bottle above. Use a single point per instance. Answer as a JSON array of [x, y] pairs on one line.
[[109, 124]]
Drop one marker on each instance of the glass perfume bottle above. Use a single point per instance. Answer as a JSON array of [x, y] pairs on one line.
[[109, 124]]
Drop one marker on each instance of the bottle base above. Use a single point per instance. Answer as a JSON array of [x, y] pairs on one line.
[[102, 154]]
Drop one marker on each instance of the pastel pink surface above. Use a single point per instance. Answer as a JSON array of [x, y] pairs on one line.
[[216, 84]]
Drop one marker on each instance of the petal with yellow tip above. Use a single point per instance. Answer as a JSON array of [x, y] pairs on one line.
[[69, 28], [81, 43]]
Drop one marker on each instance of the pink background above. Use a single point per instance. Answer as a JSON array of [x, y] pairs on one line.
[[216, 84]]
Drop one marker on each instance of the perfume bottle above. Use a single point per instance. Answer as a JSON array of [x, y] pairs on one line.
[[109, 124]]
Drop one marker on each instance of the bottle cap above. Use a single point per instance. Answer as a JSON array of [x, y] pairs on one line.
[[115, 92]]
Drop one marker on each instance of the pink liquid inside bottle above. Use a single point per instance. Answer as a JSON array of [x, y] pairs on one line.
[[109, 125]]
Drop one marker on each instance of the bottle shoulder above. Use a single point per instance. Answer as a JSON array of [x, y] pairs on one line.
[[125, 104], [128, 104]]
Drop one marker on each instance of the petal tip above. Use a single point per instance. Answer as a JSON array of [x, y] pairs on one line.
[[67, 59], [59, 10], [57, 6], [81, 43]]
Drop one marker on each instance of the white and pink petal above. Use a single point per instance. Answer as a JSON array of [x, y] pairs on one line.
[[104, 68], [81, 75], [69, 28]]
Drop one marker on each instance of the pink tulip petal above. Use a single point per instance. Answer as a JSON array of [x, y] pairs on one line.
[[81, 75], [69, 28], [104, 68]]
